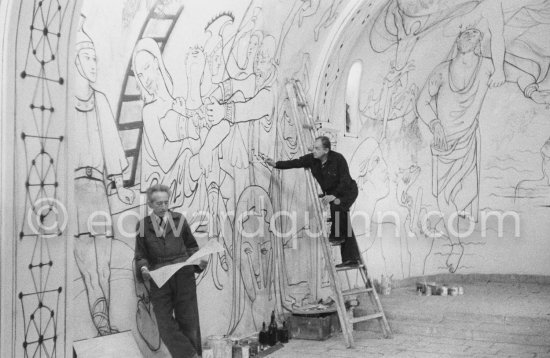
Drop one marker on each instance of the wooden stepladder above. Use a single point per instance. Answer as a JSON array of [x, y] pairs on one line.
[[306, 133]]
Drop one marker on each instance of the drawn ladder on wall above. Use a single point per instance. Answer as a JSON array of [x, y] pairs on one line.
[[159, 25]]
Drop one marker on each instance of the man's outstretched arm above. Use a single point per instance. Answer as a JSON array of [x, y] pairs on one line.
[[302, 162]]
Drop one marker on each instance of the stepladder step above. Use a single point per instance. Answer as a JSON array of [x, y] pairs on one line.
[[346, 268], [356, 291], [366, 318]]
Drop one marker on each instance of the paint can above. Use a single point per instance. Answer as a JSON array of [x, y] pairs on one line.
[[386, 284], [428, 291], [254, 346], [443, 291], [453, 291], [221, 346], [241, 351], [207, 353], [460, 290]]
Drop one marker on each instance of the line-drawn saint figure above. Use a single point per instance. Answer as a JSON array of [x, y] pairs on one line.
[[100, 162], [449, 104], [400, 23], [511, 32]]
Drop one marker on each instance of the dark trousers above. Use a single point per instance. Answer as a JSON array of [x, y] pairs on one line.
[[177, 313], [341, 224], [341, 228]]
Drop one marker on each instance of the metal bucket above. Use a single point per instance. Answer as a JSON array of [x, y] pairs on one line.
[[207, 353]]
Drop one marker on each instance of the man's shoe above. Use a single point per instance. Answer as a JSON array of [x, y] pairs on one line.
[[337, 242], [348, 263]]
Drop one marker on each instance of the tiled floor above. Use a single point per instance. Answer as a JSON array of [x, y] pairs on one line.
[[490, 320]]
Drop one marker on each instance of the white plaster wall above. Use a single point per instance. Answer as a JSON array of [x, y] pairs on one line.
[[315, 42], [236, 294], [513, 130]]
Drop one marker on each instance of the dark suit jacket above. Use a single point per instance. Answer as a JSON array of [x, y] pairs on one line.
[[154, 249], [334, 177]]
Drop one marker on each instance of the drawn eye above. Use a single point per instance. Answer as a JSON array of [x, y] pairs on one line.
[[264, 251], [248, 251]]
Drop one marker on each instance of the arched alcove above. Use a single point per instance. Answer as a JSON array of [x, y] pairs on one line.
[[353, 88]]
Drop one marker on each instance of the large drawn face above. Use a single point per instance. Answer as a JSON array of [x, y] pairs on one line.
[[468, 40], [196, 60], [87, 64], [253, 45], [373, 178], [215, 61], [254, 252], [289, 131], [263, 63], [147, 71]]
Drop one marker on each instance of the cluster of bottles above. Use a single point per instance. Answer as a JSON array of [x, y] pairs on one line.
[[429, 289], [273, 334]]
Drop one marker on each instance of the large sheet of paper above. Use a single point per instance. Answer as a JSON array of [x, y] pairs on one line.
[[163, 274], [116, 345]]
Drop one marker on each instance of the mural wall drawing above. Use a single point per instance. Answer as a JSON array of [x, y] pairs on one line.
[[440, 108]]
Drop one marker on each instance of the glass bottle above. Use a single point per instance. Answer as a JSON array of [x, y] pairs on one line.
[[272, 331], [283, 333], [263, 337]]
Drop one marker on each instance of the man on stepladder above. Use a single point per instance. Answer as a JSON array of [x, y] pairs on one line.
[[331, 171]]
